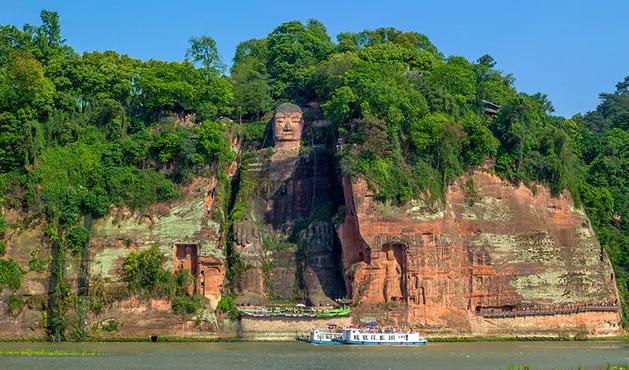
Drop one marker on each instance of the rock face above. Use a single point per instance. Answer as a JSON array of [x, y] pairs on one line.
[[182, 229], [283, 235], [26, 241], [495, 260]]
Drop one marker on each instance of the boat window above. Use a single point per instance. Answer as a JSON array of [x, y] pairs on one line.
[[364, 337], [373, 337], [356, 337], [382, 337], [391, 337]]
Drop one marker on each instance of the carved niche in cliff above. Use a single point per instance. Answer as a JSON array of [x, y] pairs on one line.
[[186, 259], [381, 275], [206, 272]]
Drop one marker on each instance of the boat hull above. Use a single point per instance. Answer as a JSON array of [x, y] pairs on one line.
[[367, 343], [312, 341]]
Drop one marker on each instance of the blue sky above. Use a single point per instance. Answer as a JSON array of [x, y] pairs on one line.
[[569, 49]]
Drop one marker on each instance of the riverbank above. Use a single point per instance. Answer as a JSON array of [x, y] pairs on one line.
[[46, 352], [292, 337]]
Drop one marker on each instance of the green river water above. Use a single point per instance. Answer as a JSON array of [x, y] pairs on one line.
[[473, 355]]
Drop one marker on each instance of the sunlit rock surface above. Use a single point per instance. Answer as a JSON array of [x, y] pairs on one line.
[[184, 230], [497, 260]]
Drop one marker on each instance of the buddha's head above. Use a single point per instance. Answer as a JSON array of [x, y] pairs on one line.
[[287, 126]]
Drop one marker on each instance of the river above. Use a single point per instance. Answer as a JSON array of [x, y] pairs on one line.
[[473, 355]]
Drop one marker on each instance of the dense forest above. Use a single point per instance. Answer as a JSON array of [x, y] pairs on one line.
[[82, 132]]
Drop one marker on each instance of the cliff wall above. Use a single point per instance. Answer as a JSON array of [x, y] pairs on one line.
[[186, 232], [26, 241], [491, 259], [496, 259]]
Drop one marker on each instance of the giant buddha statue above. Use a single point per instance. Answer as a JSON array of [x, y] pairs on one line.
[[283, 248]]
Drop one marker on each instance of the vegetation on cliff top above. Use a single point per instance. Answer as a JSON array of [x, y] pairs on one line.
[[410, 119], [80, 132]]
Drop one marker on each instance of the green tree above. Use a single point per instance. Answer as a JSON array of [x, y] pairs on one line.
[[213, 142], [457, 77], [293, 50], [203, 49], [143, 270], [426, 132], [252, 92], [23, 86], [603, 139], [254, 51], [487, 61]]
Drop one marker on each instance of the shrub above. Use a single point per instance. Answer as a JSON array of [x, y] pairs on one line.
[[178, 283], [98, 298], [253, 132], [143, 270], [38, 264], [186, 304], [16, 304], [3, 225], [213, 142], [227, 305], [471, 191], [111, 326], [76, 239], [144, 274], [10, 275]]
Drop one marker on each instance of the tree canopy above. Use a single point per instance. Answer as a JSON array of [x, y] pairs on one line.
[[80, 132]]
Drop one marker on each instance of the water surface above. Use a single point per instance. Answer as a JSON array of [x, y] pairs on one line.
[[475, 355]]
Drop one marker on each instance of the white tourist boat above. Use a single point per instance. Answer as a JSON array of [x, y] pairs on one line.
[[358, 336], [323, 337]]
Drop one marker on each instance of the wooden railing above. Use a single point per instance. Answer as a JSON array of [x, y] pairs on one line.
[[546, 310]]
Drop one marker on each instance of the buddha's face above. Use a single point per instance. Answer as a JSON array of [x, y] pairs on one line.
[[287, 128]]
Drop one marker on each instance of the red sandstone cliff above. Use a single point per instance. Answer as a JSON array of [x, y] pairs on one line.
[[502, 260]]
